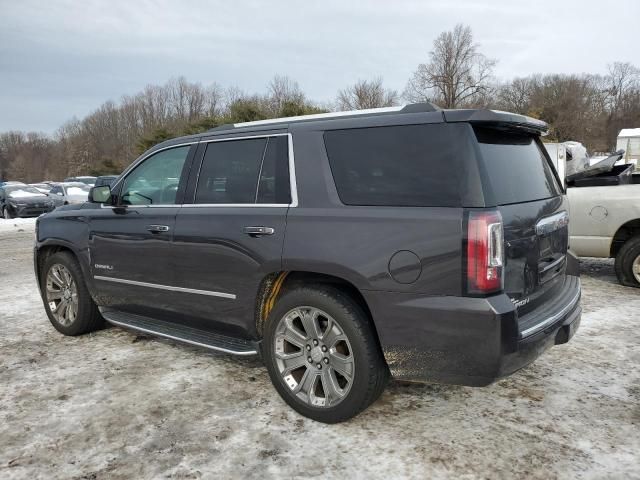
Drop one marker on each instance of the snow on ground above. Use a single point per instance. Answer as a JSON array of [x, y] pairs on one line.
[[116, 405], [16, 224]]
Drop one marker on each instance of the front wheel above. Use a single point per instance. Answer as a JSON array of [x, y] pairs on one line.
[[67, 301], [6, 213], [628, 263], [322, 355]]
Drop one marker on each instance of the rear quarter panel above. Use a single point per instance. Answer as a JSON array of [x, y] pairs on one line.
[[357, 243]]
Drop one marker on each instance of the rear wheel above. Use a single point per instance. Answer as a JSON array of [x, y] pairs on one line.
[[67, 301], [6, 213], [628, 263], [322, 355]]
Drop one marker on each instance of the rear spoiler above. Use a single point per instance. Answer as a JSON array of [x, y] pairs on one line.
[[497, 119]]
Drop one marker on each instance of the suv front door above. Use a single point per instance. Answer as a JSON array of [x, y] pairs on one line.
[[231, 234], [130, 241]]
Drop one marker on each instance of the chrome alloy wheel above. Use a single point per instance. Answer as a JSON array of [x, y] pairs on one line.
[[62, 294], [314, 356], [635, 268]]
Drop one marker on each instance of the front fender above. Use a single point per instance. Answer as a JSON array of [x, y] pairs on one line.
[[65, 231]]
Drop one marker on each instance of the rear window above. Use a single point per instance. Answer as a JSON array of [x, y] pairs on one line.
[[516, 166], [409, 165]]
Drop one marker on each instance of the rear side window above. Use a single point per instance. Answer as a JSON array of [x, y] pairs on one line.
[[408, 165], [516, 167], [245, 171]]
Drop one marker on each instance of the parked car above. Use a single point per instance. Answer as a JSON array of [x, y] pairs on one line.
[[2, 184], [605, 216], [105, 180], [69, 193], [423, 243], [86, 180], [41, 187], [19, 200]]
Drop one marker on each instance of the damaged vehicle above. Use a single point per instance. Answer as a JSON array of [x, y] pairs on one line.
[[605, 215], [331, 246]]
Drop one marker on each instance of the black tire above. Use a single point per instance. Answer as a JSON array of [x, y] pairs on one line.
[[6, 213], [88, 318], [627, 255], [371, 373]]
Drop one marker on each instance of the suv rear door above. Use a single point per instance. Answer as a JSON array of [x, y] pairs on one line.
[[521, 182], [230, 232]]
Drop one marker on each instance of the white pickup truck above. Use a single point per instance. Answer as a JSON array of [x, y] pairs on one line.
[[605, 216]]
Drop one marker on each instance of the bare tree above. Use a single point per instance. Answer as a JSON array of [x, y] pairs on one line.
[[214, 100], [283, 90], [366, 94], [456, 73], [623, 78], [515, 96]]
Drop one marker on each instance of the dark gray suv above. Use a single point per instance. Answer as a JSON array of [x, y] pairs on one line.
[[414, 242]]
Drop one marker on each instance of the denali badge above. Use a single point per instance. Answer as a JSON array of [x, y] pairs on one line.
[[550, 224], [520, 303], [103, 267]]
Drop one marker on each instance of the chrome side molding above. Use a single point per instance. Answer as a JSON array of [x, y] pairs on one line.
[[165, 287]]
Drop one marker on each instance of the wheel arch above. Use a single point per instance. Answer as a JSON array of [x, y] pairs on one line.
[[625, 232], [47, 249], [274, 284]]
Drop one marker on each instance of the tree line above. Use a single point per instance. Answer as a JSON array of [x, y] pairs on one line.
[[590, 108]]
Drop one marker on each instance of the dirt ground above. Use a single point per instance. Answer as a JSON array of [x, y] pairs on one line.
[[116, 405]]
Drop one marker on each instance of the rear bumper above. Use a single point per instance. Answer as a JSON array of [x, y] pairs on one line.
[[468, 341]]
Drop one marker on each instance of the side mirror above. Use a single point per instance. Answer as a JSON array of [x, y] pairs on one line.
[[100, 194]]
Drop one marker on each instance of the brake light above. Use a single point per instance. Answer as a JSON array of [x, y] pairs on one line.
[[485, 257]]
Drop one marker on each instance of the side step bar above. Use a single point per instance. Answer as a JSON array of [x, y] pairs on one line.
[[180, 333]]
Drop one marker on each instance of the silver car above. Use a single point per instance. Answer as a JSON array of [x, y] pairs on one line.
[[69, 192]]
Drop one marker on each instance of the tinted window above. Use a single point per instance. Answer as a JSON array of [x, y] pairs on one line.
[[517, 169], [274, 185], [410, 165], [155, 181], [230, 170]]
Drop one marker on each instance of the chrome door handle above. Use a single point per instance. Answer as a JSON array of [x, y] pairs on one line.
[[157, 228], [257, 231]]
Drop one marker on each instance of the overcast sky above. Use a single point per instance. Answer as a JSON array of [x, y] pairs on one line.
[[60, 59]]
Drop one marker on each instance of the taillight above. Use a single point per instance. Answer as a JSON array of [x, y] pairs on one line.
[[485, 247]]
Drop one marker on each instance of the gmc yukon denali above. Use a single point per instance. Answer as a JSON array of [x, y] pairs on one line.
[[344, 248]]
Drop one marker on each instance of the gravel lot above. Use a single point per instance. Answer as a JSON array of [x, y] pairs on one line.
[[117, 405]]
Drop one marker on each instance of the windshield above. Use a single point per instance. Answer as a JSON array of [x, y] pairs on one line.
[[23, 191]]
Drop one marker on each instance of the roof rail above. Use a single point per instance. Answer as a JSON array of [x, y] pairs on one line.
[[224, 126], [411, 108], [420, 107]]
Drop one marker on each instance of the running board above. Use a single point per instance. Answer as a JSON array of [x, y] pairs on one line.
[[180, 333]]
